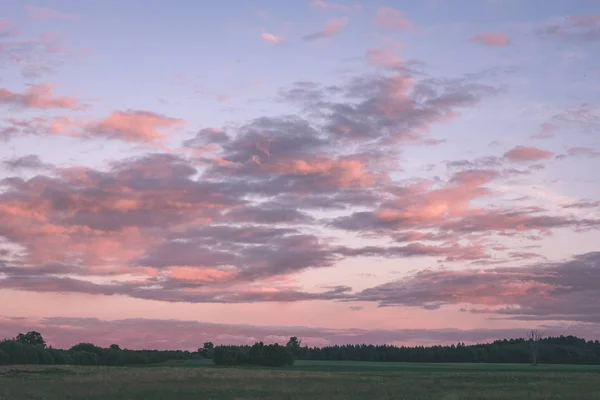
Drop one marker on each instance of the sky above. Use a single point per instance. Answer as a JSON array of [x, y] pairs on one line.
[[394, 172]]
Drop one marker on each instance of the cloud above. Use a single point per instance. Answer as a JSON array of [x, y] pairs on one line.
[[34, 56], [64, 332], [271, 38], [30, 161], [583, 152], [393, 20], [40, 126], [7, 29], [422, 204], [43, 13], [494, 39], [331, 28], [382, 57], [135, 126], [236, 214], [546, 131], [39, 96], [207, 136], [583, 204], [527, 154], [579, 28], [450, 253], [560, 291], [514, 221], [328, 6]]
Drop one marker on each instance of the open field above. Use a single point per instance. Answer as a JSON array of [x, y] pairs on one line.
[[307, 380]]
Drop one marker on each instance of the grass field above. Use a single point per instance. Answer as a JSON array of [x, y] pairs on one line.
[[305, 380]]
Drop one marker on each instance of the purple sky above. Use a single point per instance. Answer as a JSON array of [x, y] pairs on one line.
[[392, 172]]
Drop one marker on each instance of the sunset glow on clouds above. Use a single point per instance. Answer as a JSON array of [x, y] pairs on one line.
[[404, 173]]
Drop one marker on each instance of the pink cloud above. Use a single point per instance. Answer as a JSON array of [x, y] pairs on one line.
[[331, 28], [271, 38], [393, 20], [544, 291], [324, 5], [494, 39], [382, 57], [419, 205], [546, 131], [136, 126], [583, 151], [585, 20], [199, 274], [39, 96], [340, 173], [43, 13], [527, 154], [7, 28]]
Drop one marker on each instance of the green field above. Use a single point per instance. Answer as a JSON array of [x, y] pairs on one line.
[[305, 380]]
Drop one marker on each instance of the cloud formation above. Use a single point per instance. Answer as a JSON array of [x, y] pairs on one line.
[[494, 39], [238, 213], [393, 20], [561, 291], [30, 161], [527, 154], [39, 96], [269, 37], [331, 28], [578, 28], [135, 126]]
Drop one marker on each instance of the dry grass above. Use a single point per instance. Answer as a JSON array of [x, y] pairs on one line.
[[49, 383]]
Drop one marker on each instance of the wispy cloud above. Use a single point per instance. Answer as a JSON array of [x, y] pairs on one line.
[[331, 28], [493, 39], [39, 96], [578, 28], [393, 20], [527, 154], [269, 37]]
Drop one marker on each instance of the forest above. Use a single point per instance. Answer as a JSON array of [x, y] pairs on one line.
[[31, 348]]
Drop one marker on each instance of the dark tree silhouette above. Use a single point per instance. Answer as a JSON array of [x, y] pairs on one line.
[[31, 338], [550, 350], [207, 350], [534, 338], [294, 345]]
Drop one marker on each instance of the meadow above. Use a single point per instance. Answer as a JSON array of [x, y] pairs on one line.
[[305, 380]]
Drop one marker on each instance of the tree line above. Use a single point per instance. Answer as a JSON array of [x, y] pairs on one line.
[[30, 348]]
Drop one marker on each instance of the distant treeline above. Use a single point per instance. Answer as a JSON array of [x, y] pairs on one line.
[[30, 348]]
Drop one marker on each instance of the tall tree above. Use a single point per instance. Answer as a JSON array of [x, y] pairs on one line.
[[294, 345], [534, 338], [31, 338], [207, 350]]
